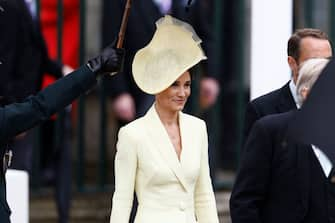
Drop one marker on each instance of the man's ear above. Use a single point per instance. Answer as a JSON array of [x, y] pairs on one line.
[[294, 67], [292, 62]]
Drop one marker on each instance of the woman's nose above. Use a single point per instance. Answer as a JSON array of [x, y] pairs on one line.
[[181, 92]]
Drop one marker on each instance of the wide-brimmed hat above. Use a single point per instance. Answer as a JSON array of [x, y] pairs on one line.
[[174, 49]]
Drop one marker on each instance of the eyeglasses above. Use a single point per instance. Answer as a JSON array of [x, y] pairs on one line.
[[7, 159]]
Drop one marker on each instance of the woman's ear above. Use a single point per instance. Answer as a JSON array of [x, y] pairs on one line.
[[304, 92]]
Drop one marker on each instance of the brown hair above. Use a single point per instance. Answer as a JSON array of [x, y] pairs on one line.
[[293, 45]]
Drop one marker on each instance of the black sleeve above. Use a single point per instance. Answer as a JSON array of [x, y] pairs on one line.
[[49, 65], [252, 181], [53, 68], [18, 117]]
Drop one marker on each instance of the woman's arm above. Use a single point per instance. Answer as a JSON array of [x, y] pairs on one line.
[[205, 205], [125, 176]]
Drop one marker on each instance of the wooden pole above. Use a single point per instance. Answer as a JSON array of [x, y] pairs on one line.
[[124, 24]]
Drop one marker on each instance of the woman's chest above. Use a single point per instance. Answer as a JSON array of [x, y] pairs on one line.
[[158, 162]]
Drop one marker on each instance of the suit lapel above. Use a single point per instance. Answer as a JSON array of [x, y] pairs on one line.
[[160, 138], [286, 102]]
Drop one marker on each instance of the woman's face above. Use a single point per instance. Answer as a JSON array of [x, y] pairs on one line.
[[174, 97]]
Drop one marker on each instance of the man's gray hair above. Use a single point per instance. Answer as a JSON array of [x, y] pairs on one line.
[[308, 74]]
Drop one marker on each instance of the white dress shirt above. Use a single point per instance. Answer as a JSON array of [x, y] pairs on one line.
[[31, 5], [163, 5], [293, 90], [323, 159]]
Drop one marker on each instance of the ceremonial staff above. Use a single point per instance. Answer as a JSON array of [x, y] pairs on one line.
[[123, 24]]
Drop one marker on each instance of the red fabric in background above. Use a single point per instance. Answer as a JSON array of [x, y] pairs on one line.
[[70, 35], [70, 29]]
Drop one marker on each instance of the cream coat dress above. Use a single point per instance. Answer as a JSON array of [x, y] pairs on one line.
[[168, 190]]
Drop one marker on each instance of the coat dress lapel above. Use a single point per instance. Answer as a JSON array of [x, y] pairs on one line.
[[160, 137]]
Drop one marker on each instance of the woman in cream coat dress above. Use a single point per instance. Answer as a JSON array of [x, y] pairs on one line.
[[163, 156]]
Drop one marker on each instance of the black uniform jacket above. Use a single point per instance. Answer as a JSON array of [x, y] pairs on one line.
[[19, 117]]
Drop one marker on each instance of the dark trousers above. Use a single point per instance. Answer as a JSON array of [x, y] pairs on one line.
[[56, 163]]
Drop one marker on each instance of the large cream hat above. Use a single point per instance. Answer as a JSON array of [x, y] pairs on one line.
[[174, 48]]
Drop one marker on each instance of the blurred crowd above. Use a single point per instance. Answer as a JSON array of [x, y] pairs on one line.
[[31, 59], [34, 60]]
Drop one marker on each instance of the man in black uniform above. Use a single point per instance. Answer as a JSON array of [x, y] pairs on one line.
[[25, 60], [19, 117]]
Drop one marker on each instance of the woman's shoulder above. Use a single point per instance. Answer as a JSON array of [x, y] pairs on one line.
[[191, 119], [132, 128], [135, 123]]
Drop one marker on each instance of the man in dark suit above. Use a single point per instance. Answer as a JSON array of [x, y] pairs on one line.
[[302, 45], [23, 52], [279, 179], [19, 117]]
